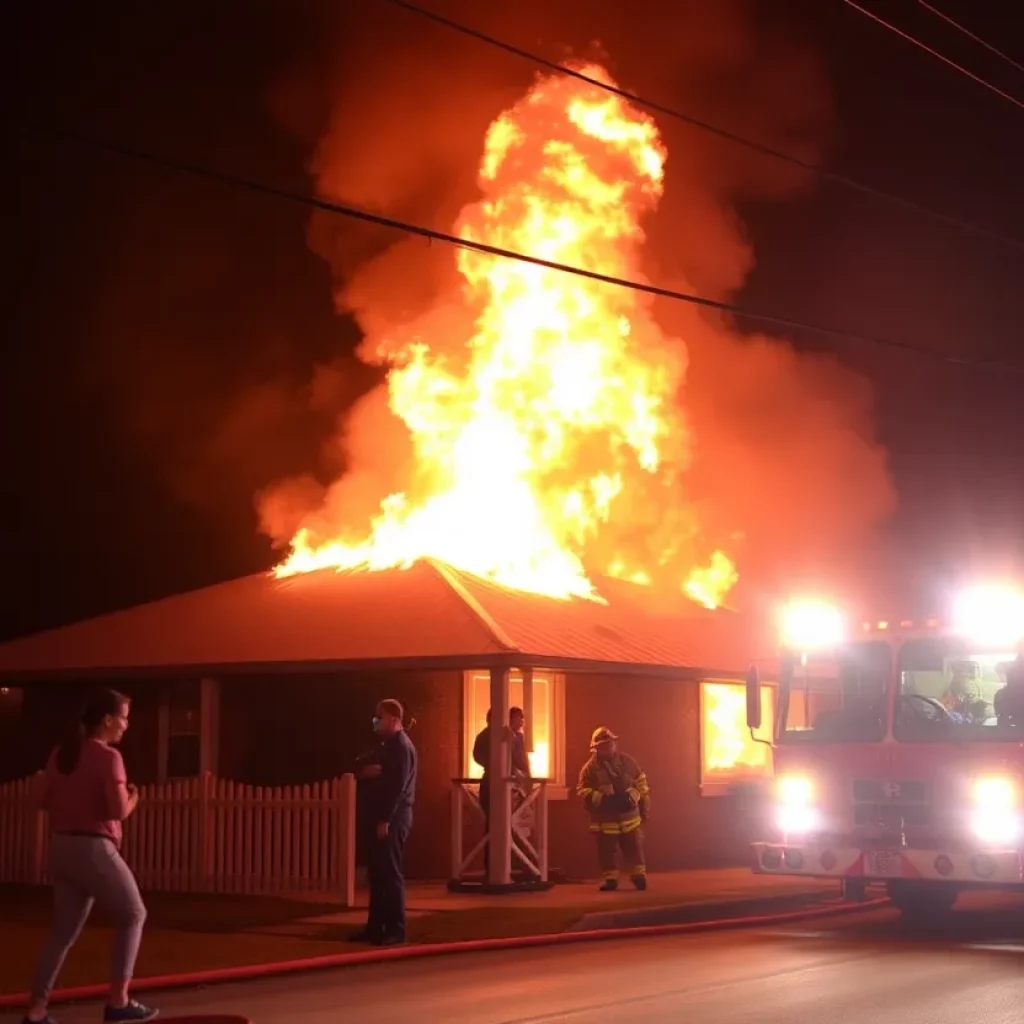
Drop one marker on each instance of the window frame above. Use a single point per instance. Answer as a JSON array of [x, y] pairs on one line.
[[557, 786], [720, 784], [12, 707], [207, 730]]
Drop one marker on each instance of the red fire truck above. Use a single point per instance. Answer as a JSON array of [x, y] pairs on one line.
[[899, 753]]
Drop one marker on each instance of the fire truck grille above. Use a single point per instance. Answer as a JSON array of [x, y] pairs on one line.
[[891, 804]]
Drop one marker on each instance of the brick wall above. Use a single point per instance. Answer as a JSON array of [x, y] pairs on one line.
[[658, 723], [279, 730]]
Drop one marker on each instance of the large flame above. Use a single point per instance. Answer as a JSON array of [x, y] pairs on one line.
[[729, 749], [554, 446]]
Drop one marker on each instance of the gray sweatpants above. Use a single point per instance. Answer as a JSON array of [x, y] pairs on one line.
[[88, 870]]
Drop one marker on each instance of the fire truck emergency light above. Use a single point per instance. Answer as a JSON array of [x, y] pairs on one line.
[[996, 819], [990, 615], [812, 626]]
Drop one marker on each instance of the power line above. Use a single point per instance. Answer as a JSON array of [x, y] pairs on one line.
[[419, 230], [716, 130], [935, 53], [970, 35]]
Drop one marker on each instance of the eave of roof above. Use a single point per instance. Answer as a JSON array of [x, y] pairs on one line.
[[426, 616]]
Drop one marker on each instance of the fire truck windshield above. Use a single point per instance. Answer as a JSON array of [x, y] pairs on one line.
[[951, 689], [841, 699]]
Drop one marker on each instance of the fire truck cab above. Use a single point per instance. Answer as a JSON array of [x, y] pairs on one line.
[[899, 753]]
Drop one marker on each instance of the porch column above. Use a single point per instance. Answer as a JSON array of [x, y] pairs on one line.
[[209, 726], [499, 836], [528, 709]]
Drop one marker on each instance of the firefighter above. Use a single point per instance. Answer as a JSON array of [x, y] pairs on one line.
[[963, 698], [615, 794]]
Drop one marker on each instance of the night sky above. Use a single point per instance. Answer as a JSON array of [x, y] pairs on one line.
[[161, 330]]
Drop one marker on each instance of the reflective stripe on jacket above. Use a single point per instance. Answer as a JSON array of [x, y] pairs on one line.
[[600, 777]]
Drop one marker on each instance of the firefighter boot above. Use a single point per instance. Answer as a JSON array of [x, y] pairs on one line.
[[631, 844], [609, 885]]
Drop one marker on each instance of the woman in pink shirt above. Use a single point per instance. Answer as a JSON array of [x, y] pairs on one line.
[[88, 796]]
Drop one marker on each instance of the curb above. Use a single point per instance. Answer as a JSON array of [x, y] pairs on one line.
[[697, 911], [252, 972]]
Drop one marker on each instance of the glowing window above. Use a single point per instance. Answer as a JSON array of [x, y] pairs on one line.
[[728, 753], [547, 759]]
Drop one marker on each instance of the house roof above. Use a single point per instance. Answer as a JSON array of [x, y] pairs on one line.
[[426, 614]]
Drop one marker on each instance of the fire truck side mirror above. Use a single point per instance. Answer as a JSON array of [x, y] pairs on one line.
[[753, 698]]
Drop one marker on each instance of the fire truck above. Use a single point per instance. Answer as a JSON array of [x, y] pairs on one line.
[[899, 752]]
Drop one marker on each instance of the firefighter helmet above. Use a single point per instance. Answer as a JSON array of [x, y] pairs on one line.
[[601, 735]]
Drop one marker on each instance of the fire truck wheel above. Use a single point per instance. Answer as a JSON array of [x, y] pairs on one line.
[[922, 901]]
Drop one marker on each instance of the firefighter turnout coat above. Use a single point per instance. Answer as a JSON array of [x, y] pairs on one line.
[[614, 793]]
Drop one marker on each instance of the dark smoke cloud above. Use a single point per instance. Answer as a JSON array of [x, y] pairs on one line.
[[787, 471]]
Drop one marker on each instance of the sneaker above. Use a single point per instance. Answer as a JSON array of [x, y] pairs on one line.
[[129, 1014]]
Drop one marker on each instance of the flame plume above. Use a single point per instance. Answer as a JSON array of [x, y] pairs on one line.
[[554, 445]]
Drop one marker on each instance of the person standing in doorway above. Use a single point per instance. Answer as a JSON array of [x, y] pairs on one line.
[[517, 746], [390, 801], [615, 793], [482, 757], [520, 762], [520, 766], [88, 796]]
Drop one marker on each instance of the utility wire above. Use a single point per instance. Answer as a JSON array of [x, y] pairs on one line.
[[970, 35], [935, 53], [716, 130], [419, 230]]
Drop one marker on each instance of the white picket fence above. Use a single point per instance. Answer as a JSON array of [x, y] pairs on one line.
[[210, 835]]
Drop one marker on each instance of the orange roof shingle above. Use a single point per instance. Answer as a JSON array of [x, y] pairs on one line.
[[426, 613]]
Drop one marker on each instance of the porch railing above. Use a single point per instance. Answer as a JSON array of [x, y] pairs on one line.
[[529, 828]]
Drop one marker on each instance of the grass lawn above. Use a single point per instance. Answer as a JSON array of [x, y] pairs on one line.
[[188, 932], [183, 933]]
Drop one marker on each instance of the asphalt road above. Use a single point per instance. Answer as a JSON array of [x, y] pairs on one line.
[[868, 968]]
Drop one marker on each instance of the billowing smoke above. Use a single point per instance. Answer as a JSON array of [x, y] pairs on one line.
[[786, 473]]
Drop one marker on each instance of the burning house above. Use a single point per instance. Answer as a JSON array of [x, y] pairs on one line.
[[519, 513], [273, 681]]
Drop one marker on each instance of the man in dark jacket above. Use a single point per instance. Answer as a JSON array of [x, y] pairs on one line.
[[391, 792], [482, 756]]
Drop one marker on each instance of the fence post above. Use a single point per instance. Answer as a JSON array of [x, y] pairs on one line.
[[204, 833], [347, 836], [40, 827], [38, 830]]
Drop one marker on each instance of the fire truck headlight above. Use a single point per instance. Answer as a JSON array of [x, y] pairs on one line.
[[990, 615], [797, 820], [997, 819], [997, 828], [794, 811], [812, 626], [794, 790], [995, 793]]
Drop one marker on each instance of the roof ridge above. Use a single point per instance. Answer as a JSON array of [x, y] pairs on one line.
[[476, 609]]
